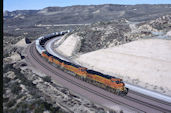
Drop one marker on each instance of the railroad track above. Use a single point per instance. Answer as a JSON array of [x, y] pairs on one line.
[[150, 98], [159, 106]]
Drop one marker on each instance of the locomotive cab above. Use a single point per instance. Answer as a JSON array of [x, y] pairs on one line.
[[50, 58], [118, 83], [120, 86], [82, 69]]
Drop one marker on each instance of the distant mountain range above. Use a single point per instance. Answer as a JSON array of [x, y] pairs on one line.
[[84, 14]]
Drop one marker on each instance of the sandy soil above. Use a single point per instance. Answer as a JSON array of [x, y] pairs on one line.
[[146, 61], [15, 57], [21, 43]]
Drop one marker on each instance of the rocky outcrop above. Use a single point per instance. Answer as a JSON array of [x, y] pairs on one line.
[[15, 57], [21, 43], [161, 23], [147, 28], [168, 33], [27, 41], [10, 74]]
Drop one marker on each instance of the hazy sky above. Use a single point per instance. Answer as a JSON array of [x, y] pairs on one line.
[[39, 4]]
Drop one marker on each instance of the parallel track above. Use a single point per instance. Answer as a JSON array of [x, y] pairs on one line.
[[154, 107], [150, 98]]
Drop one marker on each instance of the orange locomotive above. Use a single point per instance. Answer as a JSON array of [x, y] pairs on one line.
[[112, 84], [108, 82]]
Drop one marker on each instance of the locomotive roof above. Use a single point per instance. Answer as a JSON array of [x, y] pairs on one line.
[[69, 63], [57, 58], [100, 74]]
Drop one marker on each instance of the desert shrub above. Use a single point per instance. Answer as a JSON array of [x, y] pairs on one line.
[[121, 111], [6, 80], [6, 67], [5, 99], [7, 51], [9, 111], [15, 88], [11, 103], [47, 78], [112, 111]]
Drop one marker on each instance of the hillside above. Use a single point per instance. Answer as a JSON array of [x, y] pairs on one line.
[[35, 23], [102, 35], [84, 14]]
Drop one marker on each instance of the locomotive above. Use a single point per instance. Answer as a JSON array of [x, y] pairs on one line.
[[107, 82]]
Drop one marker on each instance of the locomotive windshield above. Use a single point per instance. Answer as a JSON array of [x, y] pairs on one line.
[[116, 81], [83, 69]]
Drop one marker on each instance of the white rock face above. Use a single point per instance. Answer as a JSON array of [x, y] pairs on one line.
[[97, 11], [60, 41], [147, 28], [15, 57], [70, 45], [46, 12], [10, 75], [149, 61], [21, 43], [168, 33]]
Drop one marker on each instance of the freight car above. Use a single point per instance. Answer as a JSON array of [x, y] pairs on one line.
[[40, 49], [110, 83]]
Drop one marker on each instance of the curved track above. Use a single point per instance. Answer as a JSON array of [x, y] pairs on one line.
[[133, 100]]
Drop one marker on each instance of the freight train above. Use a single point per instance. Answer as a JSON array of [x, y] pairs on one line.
[[107, 82]]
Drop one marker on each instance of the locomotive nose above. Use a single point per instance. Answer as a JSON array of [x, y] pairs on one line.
[[123, 84]]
